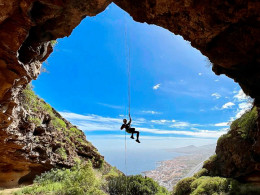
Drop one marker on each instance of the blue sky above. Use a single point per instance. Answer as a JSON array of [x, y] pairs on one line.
[[174, 93]]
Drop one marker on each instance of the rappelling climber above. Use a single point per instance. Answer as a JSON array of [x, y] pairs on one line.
[[128, 129]]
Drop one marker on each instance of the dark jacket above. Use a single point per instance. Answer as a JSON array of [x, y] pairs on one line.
[[127, 126]]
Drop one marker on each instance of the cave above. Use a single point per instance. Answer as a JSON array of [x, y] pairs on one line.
[[226, 32]]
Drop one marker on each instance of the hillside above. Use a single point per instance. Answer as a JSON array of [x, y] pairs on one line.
[[38, 140], [234, 169]]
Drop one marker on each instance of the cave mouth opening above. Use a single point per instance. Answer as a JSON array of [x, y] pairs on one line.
[[175, 95], [163, 110]]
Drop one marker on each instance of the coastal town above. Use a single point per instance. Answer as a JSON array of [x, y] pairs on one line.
[[169, 172]]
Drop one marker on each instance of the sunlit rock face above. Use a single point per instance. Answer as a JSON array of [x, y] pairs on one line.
[[39, 139], [227, 32], [26, 29]]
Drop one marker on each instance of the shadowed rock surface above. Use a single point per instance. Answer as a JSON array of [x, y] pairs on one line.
[[238, 151], [227, 32], [236, 161]]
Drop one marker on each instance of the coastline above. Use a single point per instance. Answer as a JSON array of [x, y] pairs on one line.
[[169, 172]]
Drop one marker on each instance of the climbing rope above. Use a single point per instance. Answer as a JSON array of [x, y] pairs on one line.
[[125, 167], [128, 64]]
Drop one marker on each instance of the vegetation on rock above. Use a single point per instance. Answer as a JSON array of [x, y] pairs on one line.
[[53, 42], [233, 161], [213, 186], [245, 123], [82, 179], [33, 104], [207, 180], [62, 153], [65, 142], [135, 185], [37, 105], [79, 180]]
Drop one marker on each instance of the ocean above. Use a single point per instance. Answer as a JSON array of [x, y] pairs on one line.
[[137, 161], [141, 157]]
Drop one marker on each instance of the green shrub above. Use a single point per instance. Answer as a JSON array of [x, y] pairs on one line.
[[202, 172], [210, 160], [183, 187], [79, 180], [134, 185], [206, 185], [111, 173], [245, 123], [46, 107], [75, 131], [62, 152], [53, 42], [41, 189], [223, 137], [30, 99], [35, 120], [210, 185], [58, 123], [32, 102], [82, 181]]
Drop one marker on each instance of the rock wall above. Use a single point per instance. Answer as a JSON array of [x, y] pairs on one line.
[[40, 139], [238, 151], [26, 29], [227, 32]]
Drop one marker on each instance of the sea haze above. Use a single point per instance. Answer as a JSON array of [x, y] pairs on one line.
[[141, 157], [137, 161]]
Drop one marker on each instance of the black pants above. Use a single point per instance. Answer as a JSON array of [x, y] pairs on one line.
[[132, 130]]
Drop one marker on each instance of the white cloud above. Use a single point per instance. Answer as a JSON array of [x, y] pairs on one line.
[[180, 125], [175, 124], [227, 105], [150, 112], [241, 96], [224, 124], [216, 95], [160, 122], [111, 106], [199, 133], [199, 73], [93, 122], [216, 80], [155, 87], [243, 107], [215, 108]]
